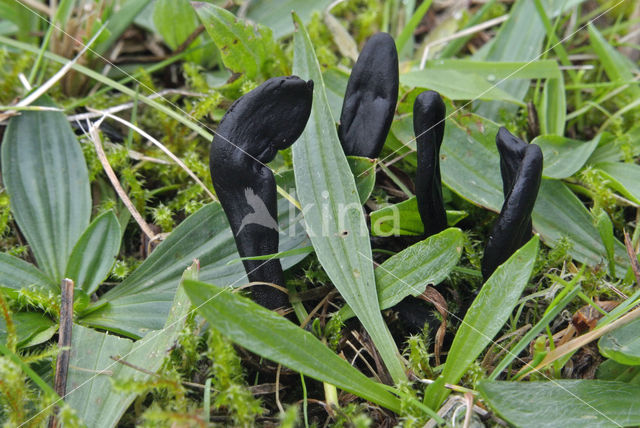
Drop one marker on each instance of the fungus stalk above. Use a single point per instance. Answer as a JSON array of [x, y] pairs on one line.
[[257, 125], [428, 124]]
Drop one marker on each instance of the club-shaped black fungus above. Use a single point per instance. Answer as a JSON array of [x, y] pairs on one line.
[[513, 226], [370, 99], [263, 121], [428, 124]]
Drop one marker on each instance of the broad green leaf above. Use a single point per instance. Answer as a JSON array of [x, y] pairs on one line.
[[166, 15], [335, 81], [409, 272], [616, 65], [16, 273], [563, 157], [564, 403], [119, 22], [552, 110], [364, 172], [95, 253], [484, 319], [612, 370], [455, 85], [494, 71], [28, 325], [277, 13], [141, 302], [404, 219], [332, 210], [622, 177], [519, 38], [245, 48], [90, 391], [272, 336], [559, 213], [46, 177], [622, 344]]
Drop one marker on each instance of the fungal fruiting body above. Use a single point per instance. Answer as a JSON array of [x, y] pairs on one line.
[[521, 169], [428, 124], [370, 99], [257, 125]]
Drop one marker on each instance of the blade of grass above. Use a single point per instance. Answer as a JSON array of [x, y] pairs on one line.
[[408, 29]]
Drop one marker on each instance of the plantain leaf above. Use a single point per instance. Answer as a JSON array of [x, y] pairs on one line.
[[274, 337], [552, 110], [15, 273], [409, 272], [46, 178], [484, 319], [276, 13], [93, 371], [332, 210], [563, 157], [564, 403], [623, 344], [364, 172], [95, 253], [404, 219], [166, 13], [28, 326], [622, 177]]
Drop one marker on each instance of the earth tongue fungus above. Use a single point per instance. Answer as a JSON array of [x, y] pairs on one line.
[[370, 100], [257, 125], [521, 169], [428, 125]]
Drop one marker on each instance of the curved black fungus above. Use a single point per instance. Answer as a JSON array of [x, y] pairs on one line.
[[513, 226], [428, 124], [257, 125], [511, 150], [370, 99]]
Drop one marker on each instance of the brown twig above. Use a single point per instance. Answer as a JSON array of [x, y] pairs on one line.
[[64, 343]]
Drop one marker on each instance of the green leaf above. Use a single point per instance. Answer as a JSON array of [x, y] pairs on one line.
[[120, 21], [141, 302], [484, 318], [559, 213], [166, 13], [563, 157], [552, 110], [364, 172], [455, 85], [493, 71], [274, 337], [335, 82], [16, 273], [95, 253], [277, 13], [332, 210], [564, 403], [409, 28], [612, 370], [622, 177], [90, 391], [404, 219], [46, 177], [616, 65], [245, 48], [409, 272], [28, 326], [622, 344], [605, 229]]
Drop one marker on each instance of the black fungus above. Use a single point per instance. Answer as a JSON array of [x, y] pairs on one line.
[[371, 97], [428, 124], [521, 169], [257, 125]]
